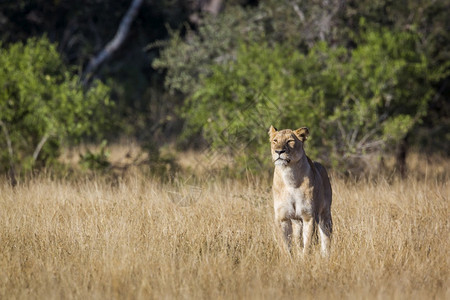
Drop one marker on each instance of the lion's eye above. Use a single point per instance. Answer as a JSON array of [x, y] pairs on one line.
[[291, 143], [275, 141]]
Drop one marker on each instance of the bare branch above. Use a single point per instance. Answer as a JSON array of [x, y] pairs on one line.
[[116, 42], [213, 6], [12, 169], [39, 146], [8, 139], [354, 135], [297, 10], [365, 138], [374, 144]]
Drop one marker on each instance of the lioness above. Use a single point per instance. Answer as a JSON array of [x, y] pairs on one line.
[[301, 190]]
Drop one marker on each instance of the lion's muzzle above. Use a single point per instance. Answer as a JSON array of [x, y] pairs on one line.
[[281, 160]]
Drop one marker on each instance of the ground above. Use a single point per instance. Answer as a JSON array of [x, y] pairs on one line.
[[141, 237]]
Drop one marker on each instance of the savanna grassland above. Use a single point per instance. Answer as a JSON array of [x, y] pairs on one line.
[[142, 238]]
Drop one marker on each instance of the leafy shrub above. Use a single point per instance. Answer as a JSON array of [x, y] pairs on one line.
[[42, 104], [355, 102], [96, 161], [216, 39]]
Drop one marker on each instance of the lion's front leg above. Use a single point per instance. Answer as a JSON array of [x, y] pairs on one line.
[[308, 228], [285, 226], [297, 229]]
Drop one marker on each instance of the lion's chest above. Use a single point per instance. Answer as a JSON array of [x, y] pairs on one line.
[[293, 203]]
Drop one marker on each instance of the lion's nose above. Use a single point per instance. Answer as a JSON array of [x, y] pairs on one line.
[[280, 151]]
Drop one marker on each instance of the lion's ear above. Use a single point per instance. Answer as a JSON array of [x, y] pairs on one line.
[[272, 130], [302, 133]]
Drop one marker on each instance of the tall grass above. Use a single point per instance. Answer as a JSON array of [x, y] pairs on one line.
[[142, 238]]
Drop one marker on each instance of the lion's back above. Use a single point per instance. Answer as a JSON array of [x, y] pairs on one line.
[[325, 181]]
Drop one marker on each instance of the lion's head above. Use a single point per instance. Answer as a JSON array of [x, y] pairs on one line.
[[287, 145]]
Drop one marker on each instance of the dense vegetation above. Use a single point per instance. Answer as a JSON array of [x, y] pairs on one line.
[[356, 102], [362, 83], [367, 77], [42, 104]]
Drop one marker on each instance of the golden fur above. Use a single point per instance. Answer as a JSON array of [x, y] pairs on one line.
[[301, 190]]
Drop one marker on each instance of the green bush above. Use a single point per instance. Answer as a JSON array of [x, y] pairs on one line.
[[42, 105], [96, 161], [216, 39], [355, 102]]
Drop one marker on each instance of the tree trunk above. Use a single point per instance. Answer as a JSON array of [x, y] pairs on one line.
[[213, 6], [115, 43], [402, 151], [12, 168]]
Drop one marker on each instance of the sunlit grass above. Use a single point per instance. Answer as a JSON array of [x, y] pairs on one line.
[[138, 237]]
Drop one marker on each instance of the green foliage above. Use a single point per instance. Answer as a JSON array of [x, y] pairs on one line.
[[384, 66], [42, 104], [217, 39], [96, 161], [185, 61], [355, 102]]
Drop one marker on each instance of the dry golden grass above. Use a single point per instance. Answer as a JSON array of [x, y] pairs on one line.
[[141, 238]]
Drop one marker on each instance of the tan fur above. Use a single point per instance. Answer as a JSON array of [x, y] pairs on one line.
[[301, 190]]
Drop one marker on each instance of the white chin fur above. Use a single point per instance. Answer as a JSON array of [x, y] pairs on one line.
[[280, 162]]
